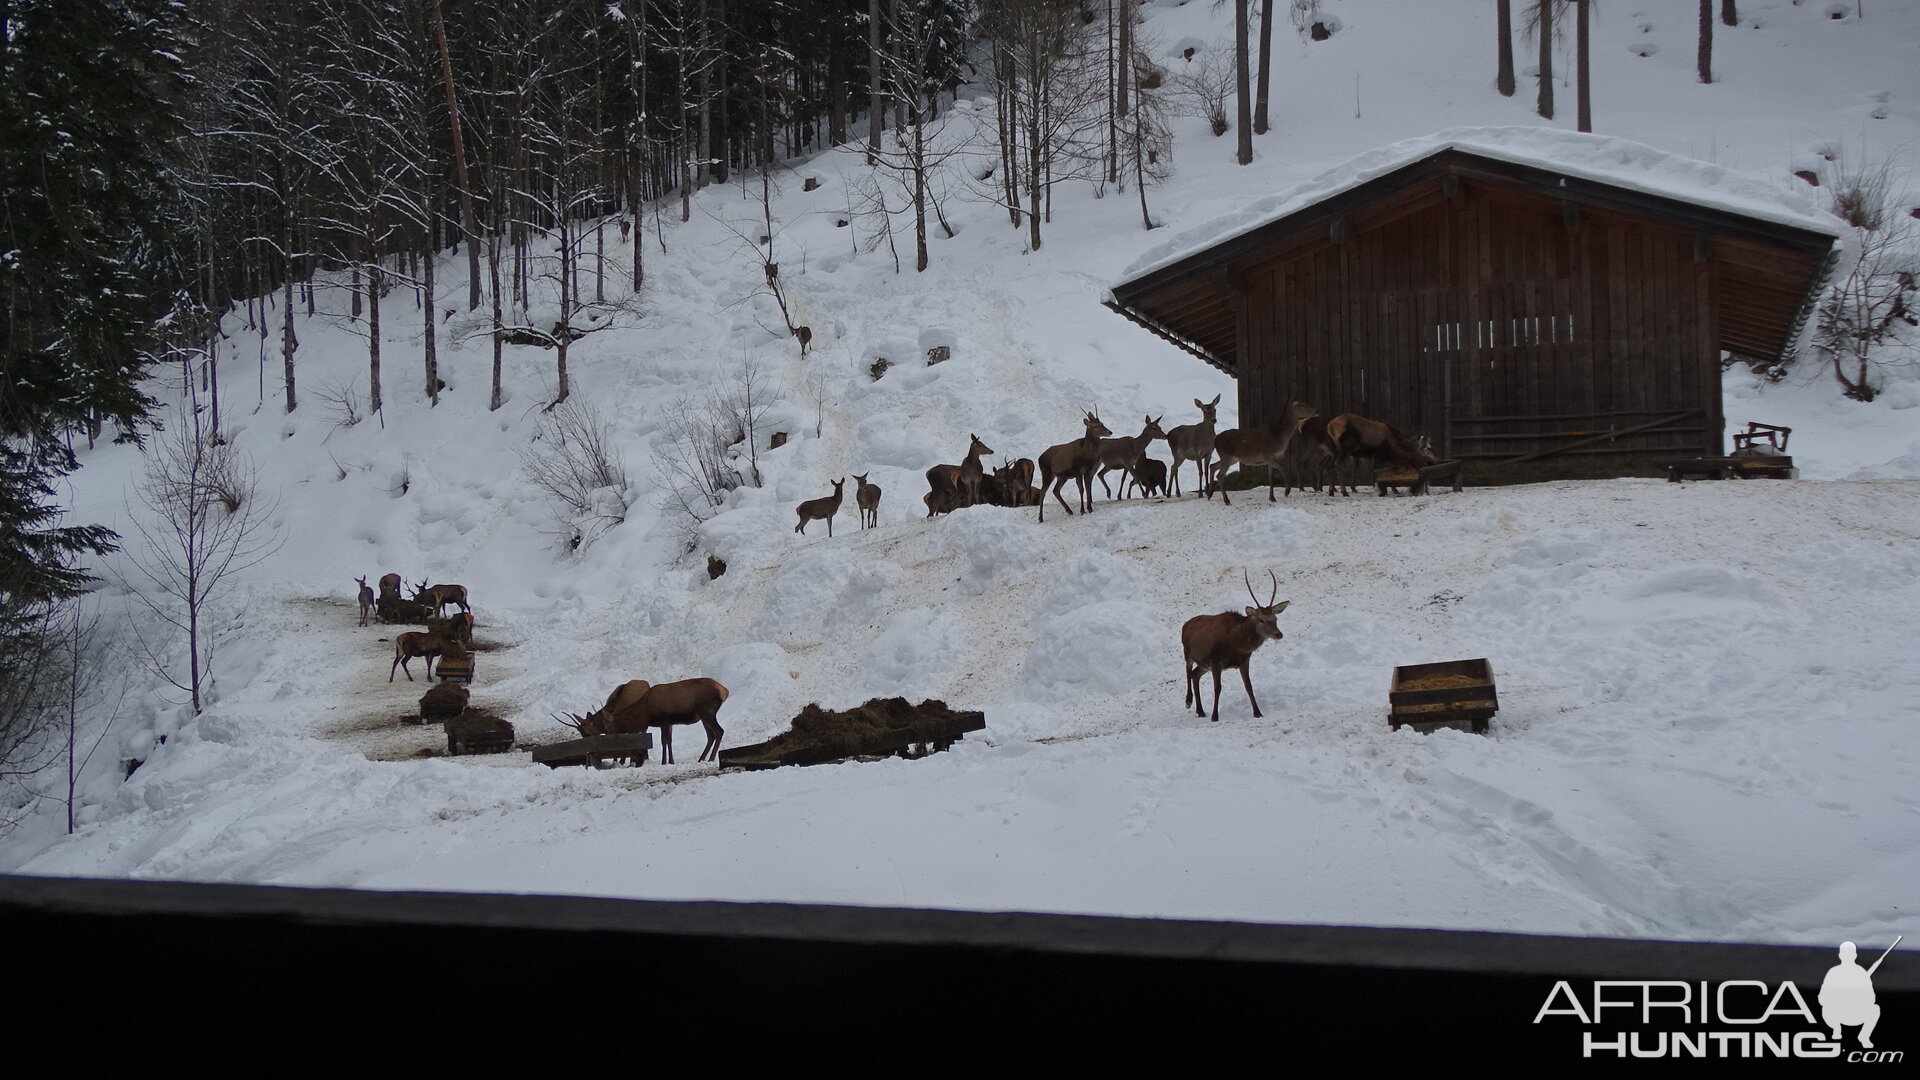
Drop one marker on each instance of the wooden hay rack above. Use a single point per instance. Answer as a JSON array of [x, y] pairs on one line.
[[1455, 694], [595, 751]]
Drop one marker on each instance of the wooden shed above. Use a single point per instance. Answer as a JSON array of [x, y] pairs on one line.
[[1521, 292]]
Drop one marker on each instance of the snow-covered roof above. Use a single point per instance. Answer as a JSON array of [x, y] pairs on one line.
[[1600, 158]]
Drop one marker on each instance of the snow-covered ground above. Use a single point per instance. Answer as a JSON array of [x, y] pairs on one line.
[[1708, 691]]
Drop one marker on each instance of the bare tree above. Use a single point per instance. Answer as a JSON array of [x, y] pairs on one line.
[[1242, 85], [1504, 80], [1874, 303], [1051, 71], [1704, 59], [206, 523], [1203, 85], [1583, 88], [919, 30], [574, 462]]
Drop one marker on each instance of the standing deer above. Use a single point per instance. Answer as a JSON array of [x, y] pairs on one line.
[[1194, 442], [971, 470], [868, 496], [1355, 437], [390, 586], [415, 643], [824, 507], [1263, 444], [439, 596], [1217, 642], [1149, 475], [1125, 452], [663, 706], [1317, 444], [366, 600], [1073, 460]]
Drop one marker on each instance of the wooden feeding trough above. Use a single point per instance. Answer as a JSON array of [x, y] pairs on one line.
[[595, 751], [454, 668], [1418, 481], [882, 727], [1454, 694], [1759, 451], [445, 701]]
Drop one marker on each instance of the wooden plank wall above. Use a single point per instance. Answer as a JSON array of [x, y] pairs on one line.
[[1543, 324]]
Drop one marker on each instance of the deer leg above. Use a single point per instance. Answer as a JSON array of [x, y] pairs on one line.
[[666, 744], [1247, 681], [1216, 694], [1058, 483], [714, 731], [395, 664]]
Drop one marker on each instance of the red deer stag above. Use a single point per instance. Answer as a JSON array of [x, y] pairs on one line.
[[868, 496], [366, 600], [415, 643], [1217, 642], [1125, 452], [1194, 442], [1263, 444], [685, 702], [439, 596], [1072, 460], [824, 507]]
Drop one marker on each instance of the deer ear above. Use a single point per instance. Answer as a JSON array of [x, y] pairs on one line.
[[1252, 611], [1281, 606]]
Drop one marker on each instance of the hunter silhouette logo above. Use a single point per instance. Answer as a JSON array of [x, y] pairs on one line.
[[1735, 1018], [1846, 994]]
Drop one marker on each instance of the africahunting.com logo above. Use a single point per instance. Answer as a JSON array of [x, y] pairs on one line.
[[1739, 1018]]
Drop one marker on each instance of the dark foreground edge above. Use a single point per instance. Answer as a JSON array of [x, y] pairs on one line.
[[444, 974]]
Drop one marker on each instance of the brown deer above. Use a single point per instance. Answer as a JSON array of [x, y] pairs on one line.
[[415, 643], [824, 507], [1217, 642], [1316, 444], [1125, 452], [1378, 442], [1149, 475], [868, 496], [439, 596], [684, 702], [457, 627], [1262, 444], [390, 586], [1194, 442], [366, 600], [971, 471], [1072, 460], [943, 479]]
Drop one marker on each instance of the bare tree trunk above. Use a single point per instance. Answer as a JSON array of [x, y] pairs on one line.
[[1584, 88], [497, 398], [1545, 30], [1505, 79], [1242, 87], [428, 347], [459, 165], [1728, 13], [1266, 68], [1706, 41], [874, 109], [288, 342], [373, 333]]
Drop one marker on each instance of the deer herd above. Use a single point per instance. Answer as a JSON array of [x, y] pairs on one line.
[[1306, 446]]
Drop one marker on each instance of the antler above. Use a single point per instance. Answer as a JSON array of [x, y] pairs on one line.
[[1255, 599], [574, 723]]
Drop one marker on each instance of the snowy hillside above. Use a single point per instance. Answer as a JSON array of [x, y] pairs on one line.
[[1708, 697]]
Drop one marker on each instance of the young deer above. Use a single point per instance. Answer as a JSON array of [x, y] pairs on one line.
[[1072, 460], [868, 496], [1217, 642], [824, 507], [366, 600], [1149, 475], [1125, 452], [1265, 444], [1194, 442], [971, 471]]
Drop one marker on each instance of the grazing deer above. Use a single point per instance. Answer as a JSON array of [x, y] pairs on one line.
[[1322, 451], [439, 596], [1149, 475], [1263, 444], [1356, 437], [824, 507], [1072, 460], [1194, 442], [366, 600], [1125, 452], [457, 627], [1217, 642], [663, 706], [971, 470], [415, 643], [868, 496], [598, 722], [390, 586]]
